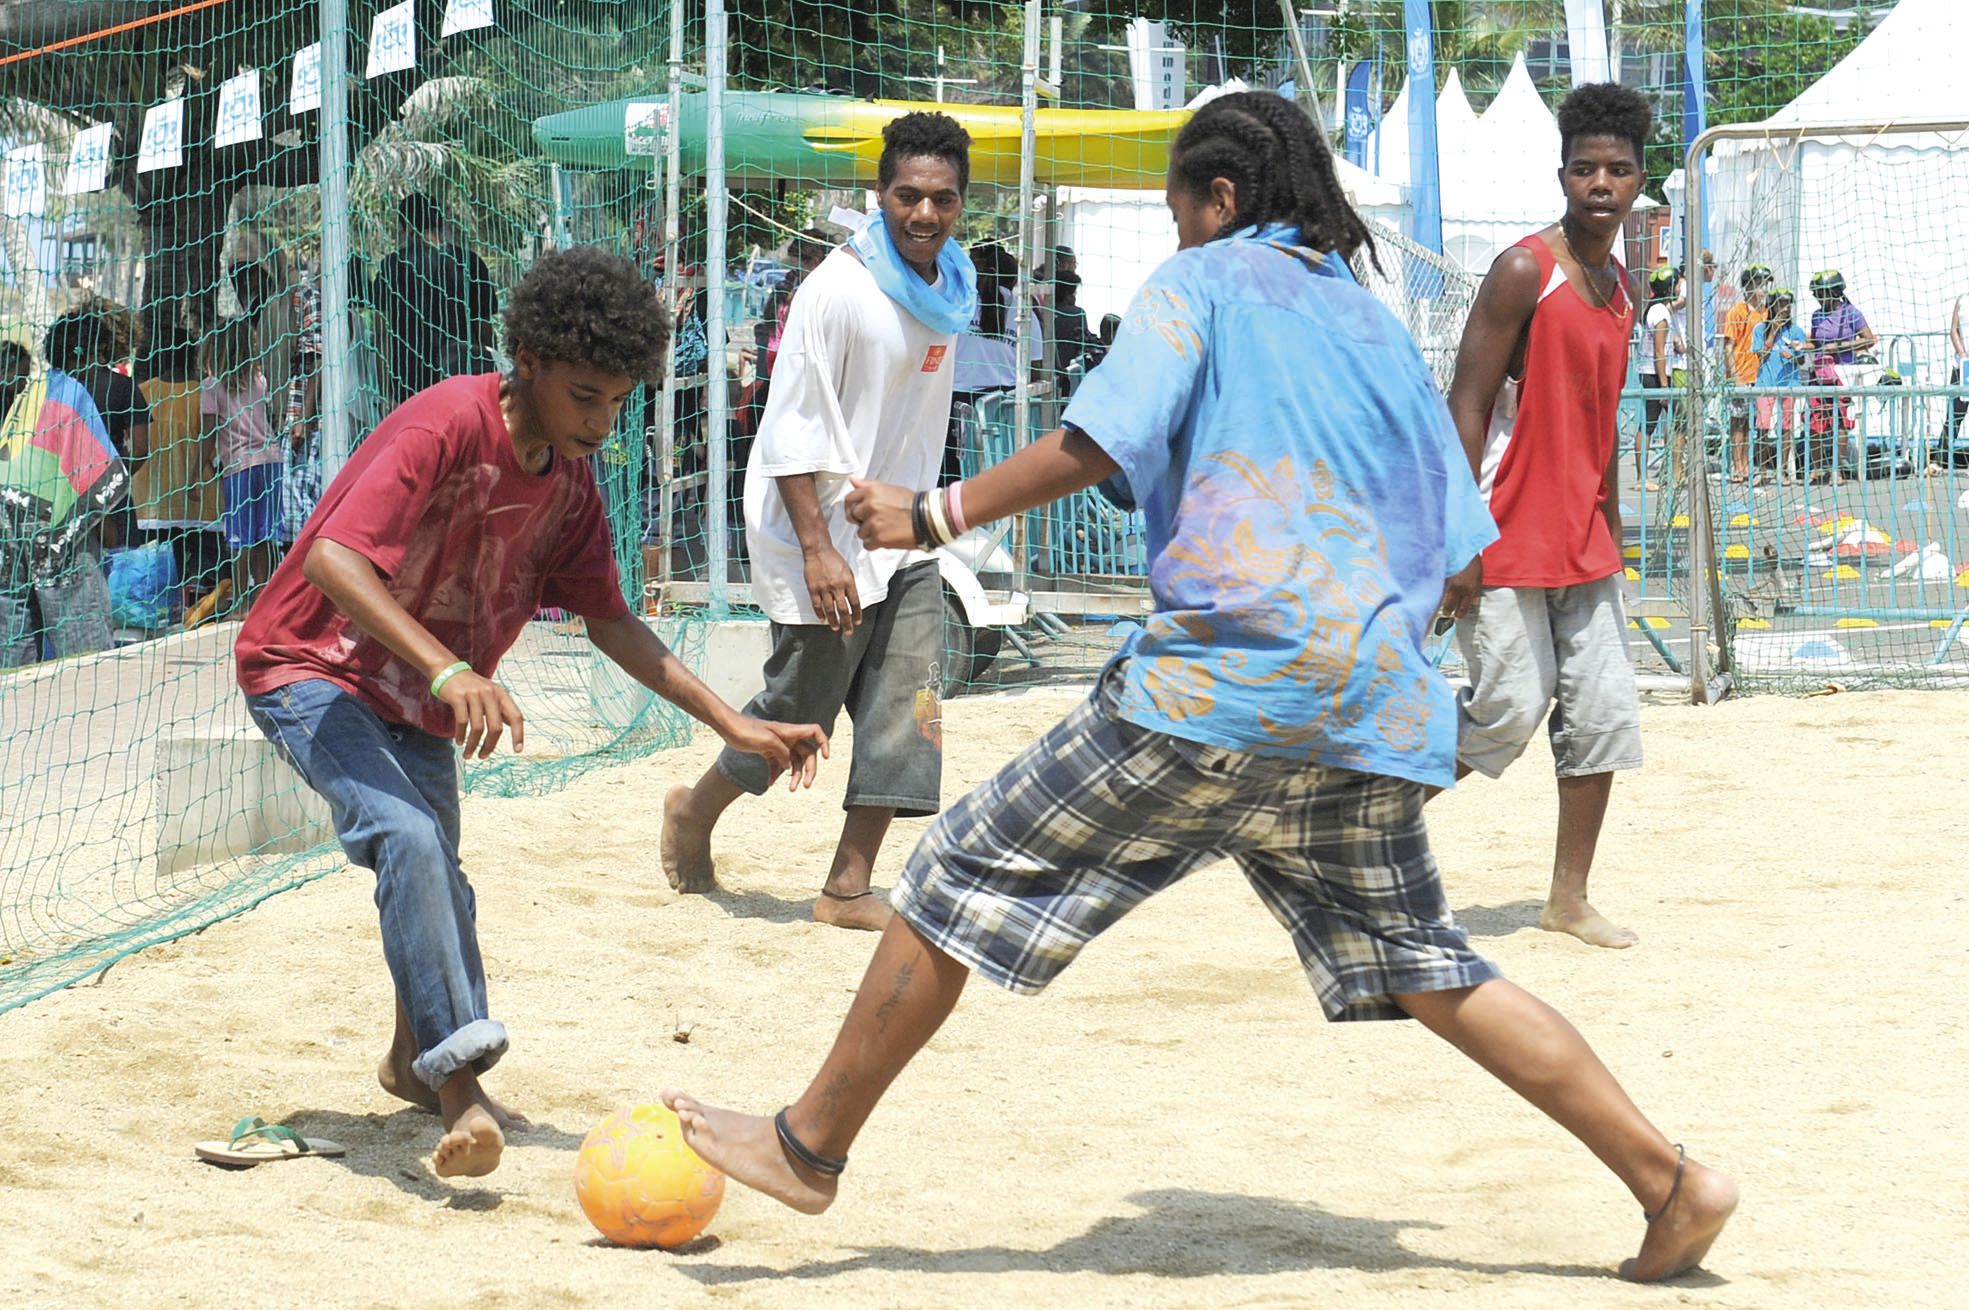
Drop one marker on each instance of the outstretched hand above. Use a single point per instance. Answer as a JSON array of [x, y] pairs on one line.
[[881, 514], [795, 748], [482, 710]]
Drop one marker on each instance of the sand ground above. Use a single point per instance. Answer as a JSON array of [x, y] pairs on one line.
[[1171, 1125]]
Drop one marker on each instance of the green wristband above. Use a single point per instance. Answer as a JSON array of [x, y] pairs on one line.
[[446, 675]]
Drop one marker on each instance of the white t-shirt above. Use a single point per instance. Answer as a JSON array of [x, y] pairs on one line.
[[860, 388], [992, 363], [1676, 351]]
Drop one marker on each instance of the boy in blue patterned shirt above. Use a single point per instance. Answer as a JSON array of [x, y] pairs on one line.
[[1305, 508]]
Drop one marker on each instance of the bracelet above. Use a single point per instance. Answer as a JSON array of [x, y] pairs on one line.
[[919, 520], [953, 496], [939, 525], [446, 674]]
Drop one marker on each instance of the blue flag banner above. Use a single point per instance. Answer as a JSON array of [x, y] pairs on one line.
[[1424, 175], [1694, 115], [1363, 113]]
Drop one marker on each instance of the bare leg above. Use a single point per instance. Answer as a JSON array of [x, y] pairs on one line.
[[689, 815], [1582, 809], [905, 996], [394, 1073], [399, 1080], [845, 899], [1532, 1049], [1739, 450]]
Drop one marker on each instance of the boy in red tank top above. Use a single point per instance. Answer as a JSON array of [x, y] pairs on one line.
[[1540, 618]]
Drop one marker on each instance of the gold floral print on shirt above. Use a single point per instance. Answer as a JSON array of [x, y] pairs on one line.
[[1282, 574]]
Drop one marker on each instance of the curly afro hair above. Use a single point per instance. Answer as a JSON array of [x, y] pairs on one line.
[[588, 306], [925, 133], [1605, 109]]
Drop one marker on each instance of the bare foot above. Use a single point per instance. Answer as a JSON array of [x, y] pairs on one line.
[[685, 847], [396, 1078], [1587, 924], [471, 1145], [867, 910], [746, 1147], [1677, 1242]]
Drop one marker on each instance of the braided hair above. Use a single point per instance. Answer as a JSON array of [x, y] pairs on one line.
[[1266, 147]]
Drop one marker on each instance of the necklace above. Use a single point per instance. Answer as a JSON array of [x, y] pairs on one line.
[[1601, 301]]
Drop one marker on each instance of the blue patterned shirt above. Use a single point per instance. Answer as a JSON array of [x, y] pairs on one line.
[[1305, 495]]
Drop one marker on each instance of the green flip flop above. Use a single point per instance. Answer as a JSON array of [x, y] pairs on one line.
[[255, 1141]]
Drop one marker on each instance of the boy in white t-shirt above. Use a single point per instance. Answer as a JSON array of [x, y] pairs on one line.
[[861, 389]]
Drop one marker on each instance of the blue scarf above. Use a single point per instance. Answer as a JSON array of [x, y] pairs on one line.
[[946, 309]]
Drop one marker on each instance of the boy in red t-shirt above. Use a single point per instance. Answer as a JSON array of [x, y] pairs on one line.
[[1542, 625], [368, 659]]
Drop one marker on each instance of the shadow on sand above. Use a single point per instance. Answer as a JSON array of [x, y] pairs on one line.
[[1182, 1233]]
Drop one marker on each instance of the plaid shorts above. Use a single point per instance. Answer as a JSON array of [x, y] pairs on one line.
[[1099, 814]]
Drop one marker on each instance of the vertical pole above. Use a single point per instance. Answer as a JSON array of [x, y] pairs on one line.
[[337, 375], [558, 186], [717, 398], [666, 416], [1302, 66], [1022, 295], [1695, 457]]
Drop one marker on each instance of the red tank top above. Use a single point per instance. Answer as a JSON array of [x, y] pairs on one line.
[[1552, 433]]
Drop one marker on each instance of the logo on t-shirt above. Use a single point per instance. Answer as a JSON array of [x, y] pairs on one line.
[[933, 358]]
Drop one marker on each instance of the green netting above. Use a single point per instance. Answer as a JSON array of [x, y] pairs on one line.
[[182, 178], [140, 803]]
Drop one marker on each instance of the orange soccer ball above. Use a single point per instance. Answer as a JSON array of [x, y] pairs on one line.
[[640, 1184]]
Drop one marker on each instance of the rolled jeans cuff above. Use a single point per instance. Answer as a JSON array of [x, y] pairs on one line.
[[479, 1044]]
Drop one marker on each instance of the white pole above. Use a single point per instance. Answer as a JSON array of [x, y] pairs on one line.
[[717, 401], [337, 375], [666, 414], [1022, 294]]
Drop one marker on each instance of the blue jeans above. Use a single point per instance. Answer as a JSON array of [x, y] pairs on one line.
[[393, 792]]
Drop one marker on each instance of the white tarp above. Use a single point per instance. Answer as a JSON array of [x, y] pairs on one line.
[[1891, 211]]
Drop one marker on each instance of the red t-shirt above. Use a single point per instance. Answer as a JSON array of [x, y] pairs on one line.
[[1552, 435], [467, 541]]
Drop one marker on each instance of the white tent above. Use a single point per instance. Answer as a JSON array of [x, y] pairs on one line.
[[1503, 180], [1891, 211], [1456, 122], [1387, 144], [1499, 172], [1118, 237]]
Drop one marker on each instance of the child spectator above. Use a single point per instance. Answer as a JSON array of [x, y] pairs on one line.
[[240, 446], [176, 499], [1779, 344], [1740, 324], [1666, 368], [89, 343], [62, 477], [301, 483]]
